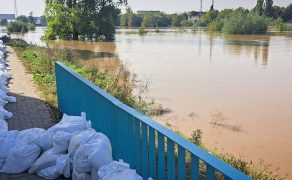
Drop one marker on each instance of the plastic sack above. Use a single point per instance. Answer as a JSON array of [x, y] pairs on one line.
[[45, 141], [20, 158], [102, 154], [80, 161], [4, 96], [47, 159], [4, 114], [117, 170], [3, 125], [79, 139], [7, 140], [49, 172], [63, 165], [29, 136], [61, 140], [3, 102], [70, 124], [80, 176]]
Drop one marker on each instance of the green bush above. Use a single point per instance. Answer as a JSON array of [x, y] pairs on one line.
[[17, 26], [31, 26], [216, 25], [241, 22]]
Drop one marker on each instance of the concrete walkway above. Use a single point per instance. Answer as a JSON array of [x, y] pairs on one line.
[[29, 110]]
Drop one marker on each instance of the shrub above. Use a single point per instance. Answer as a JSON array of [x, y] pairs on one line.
[[31, 26], [215, 25], [17, 26], [241, 22]]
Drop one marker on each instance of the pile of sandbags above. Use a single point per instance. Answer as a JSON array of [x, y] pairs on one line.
[[4, 98], [70, 148]]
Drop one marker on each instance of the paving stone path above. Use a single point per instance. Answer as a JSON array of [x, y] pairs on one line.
[[29, 110]]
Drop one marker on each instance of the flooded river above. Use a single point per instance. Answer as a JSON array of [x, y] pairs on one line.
[[243, 83]]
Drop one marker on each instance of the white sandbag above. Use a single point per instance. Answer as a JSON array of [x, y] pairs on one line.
[[4, 114], [20, 158], [47, 159], [7, 140], [3, 102], [70, 124], [61, 140], [80, 176], [102, 154], [49, 172], [45, 141], [80, 139], [4, 96], [117, 170], [29, 136], [63, 165], [3, 125], [80, 161]]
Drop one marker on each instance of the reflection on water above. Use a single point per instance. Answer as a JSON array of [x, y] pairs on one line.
[[247, 78]]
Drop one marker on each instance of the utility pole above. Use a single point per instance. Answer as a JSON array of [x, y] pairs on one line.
[[15, 9], [201, 8]]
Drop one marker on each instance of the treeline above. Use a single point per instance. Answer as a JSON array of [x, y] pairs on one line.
[[244, 21], [22, 24], [156, 19]]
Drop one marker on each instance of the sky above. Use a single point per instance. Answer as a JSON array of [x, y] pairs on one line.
[[168, 6]]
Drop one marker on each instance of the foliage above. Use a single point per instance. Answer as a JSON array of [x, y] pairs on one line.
[[268, 8], [31, 19], [208, 17], [70, 18], [216, 25], [31, 26], [288, 13], [17, 26], [279, 25], [196, 137], [241, 22], [22, 18]]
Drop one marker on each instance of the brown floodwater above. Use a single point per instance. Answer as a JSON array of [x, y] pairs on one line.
[[241, 82]]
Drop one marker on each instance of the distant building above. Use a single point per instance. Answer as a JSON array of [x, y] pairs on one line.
[[8, 17], [143, 12], [194, 16]]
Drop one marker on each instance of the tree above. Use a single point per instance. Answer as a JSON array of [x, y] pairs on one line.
[[278, 12], [175, 20], [83, 17], [259, 7], [22, 18], [288, 13], [268, 8], [30, 18]]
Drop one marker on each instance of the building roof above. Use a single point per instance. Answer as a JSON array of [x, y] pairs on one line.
[[7, 16]]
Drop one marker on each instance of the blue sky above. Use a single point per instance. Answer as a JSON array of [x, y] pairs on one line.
[[169, 6]]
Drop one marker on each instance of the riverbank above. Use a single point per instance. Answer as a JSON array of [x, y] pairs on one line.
[[39, 62]]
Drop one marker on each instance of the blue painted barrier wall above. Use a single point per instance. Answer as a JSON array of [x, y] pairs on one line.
[[150, 148]]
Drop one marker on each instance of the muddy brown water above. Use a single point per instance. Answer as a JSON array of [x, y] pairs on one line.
[[241, 82]]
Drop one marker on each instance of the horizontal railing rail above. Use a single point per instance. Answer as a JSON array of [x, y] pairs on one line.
[[150, 148]]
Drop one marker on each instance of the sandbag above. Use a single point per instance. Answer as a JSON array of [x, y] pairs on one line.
[[7, 140], [20, 158], [47, 159], [4, 96], [63, 165], [71, 124], [45, 141], [61, 140], [3, 125], [116, 171], [79, 139], [49, 172], [80, 176], [80, 161], [102, 154], [4, 114], [29, 136]]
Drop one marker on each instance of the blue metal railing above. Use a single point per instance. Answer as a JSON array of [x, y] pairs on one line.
[[150, 148]]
